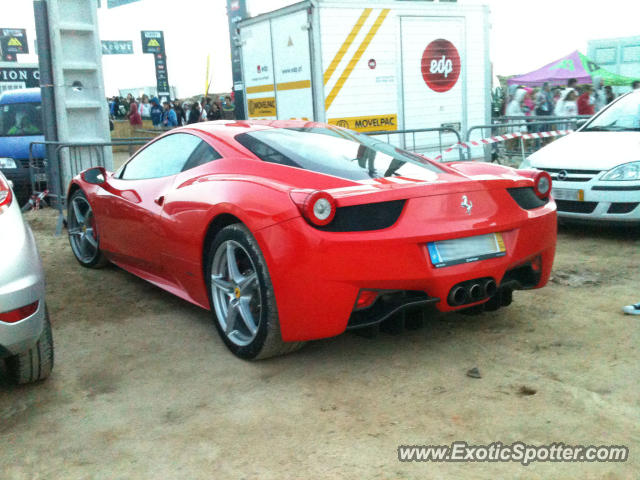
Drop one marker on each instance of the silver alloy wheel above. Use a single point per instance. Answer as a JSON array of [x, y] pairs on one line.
[[82, 233], [235, 291]]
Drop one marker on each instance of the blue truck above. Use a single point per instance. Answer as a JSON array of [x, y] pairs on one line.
[[21, 124]]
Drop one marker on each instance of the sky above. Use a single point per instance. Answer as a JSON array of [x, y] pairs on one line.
[[524, 35]]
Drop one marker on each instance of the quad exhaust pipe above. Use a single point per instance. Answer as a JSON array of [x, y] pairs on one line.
[[489, 287], [458, 296], [472, 291]]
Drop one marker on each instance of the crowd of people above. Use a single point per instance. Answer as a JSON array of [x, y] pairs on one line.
[[569, 101], [170, 113]]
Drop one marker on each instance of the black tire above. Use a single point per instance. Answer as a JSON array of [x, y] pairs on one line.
[[268, 340], [91, 256], [36, 363], [22, 193]]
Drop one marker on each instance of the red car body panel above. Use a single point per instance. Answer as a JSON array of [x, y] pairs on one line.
[[157, 228]]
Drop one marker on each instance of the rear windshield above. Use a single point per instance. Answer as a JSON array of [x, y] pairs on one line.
[[336, 151], [20, 119]]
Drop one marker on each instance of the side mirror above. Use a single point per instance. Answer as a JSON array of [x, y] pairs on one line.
[[95, 175]]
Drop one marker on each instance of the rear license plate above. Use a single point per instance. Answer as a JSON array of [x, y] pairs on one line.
[[465, 250], [40, 177], [568, 194]]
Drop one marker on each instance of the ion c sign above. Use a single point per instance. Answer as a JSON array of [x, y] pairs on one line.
[[440, 65]]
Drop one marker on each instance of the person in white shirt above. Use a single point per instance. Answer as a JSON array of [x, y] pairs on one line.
[[144, 107], [567, 107], [599, 95], [514, 109]]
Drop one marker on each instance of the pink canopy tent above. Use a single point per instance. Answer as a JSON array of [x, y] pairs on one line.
[[575, 65]]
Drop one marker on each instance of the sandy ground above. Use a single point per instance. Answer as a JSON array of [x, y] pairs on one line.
[[143, 388]]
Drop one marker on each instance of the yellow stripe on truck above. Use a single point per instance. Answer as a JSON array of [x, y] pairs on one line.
[[260, 88], [280, 86], [294, 85], [356, 57], [346, 44]]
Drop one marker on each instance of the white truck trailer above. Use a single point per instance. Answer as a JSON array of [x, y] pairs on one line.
[[370, 65]]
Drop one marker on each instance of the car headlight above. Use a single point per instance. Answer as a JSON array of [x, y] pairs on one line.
[[7, 163], [628, 171]]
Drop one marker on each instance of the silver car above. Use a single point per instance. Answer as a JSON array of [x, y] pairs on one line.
[[26, 343]]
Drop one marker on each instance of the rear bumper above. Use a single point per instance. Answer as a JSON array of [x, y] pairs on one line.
[[19, 337], [317, 275]]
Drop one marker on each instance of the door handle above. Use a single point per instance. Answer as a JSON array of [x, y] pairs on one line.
[[159, 200]]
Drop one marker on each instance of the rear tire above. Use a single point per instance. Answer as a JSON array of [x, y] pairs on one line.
[[242, 298], [36, 363]]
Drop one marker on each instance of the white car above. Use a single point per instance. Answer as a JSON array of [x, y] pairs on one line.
[[596, 170]]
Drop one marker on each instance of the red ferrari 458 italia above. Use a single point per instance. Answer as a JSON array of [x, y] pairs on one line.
[[291, 231]]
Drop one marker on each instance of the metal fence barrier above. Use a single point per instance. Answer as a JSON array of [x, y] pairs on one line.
[[533, 124], [80, 156], [423, 145]]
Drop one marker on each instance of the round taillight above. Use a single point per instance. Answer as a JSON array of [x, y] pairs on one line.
[[319, 208], [5, 193], [542, 185]]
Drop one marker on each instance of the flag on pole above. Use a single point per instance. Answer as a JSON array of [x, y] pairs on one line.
[[208, 78]]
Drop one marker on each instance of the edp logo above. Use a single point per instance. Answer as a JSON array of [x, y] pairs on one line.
[[443, 66], [440, 65]]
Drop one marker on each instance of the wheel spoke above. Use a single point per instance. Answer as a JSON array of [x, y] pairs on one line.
[[90, 238], [232, 263], [83, 244], [219, 282], [75, 231], [245, 314], [232, 316], [76, 211], [247, 281]]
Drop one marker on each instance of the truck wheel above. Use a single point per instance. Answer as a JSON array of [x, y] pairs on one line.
[[241, 296], [36, 363]]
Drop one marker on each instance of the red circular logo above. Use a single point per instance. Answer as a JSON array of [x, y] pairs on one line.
[[440, 65], [372, 64]]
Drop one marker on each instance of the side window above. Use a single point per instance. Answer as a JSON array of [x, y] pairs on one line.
[[203, 153], [165, 157]]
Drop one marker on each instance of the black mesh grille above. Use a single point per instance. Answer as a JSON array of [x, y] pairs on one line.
[[371, 216], [572, 206], [558, 170], [622, 207], [24, 162], [526, 198]]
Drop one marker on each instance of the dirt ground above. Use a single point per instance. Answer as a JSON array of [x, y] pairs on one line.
[[143, 388]]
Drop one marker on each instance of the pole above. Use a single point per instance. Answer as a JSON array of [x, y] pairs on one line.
[[237, 11], [48, 101], [207, 80]]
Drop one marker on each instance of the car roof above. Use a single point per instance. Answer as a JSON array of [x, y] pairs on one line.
[[228, 129], [20, 96]]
